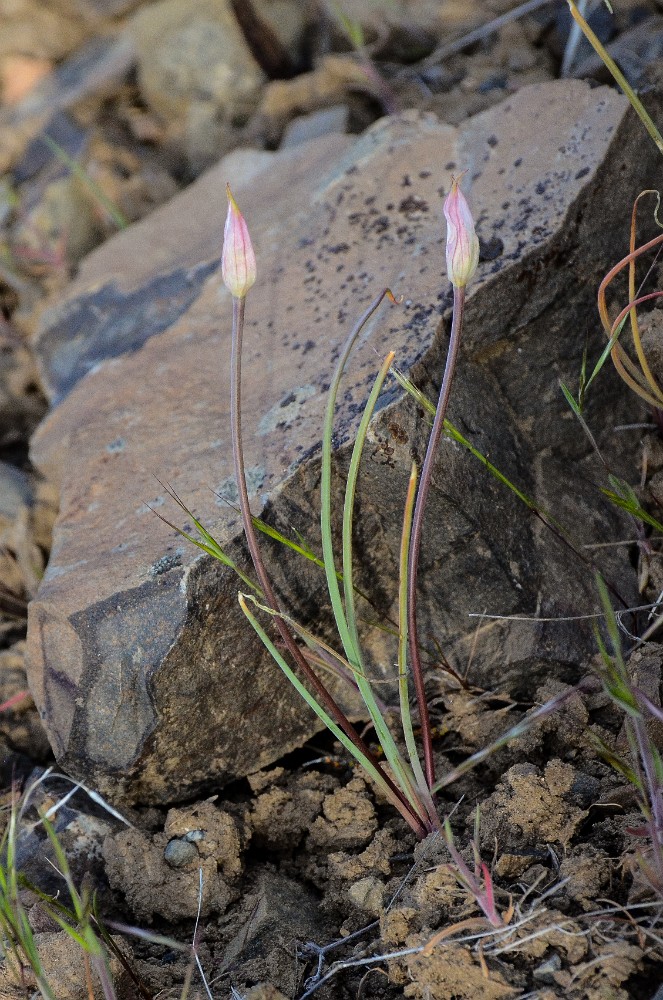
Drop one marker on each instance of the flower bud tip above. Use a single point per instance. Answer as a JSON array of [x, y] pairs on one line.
[[238, 262], [462, 242]]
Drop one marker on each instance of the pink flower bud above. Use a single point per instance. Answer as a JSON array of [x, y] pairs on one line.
[[238, 261], [462, 242]]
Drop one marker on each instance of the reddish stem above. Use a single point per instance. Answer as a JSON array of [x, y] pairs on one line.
[[417, 524]]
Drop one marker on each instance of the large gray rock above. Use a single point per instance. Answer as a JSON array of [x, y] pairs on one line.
[[149, 680]]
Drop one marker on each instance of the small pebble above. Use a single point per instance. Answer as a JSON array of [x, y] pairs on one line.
[[180, 853], [193, 836], [546, 971]]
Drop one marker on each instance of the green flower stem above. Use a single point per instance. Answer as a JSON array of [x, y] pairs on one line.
[[322, 694], [417, 524]]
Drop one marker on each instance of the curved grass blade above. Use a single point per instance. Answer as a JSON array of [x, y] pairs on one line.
[[402, 772], [628, 501], [344, 632], [83, 176]]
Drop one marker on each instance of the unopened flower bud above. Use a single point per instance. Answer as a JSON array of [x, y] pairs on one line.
[[238, 261], [462, 242]]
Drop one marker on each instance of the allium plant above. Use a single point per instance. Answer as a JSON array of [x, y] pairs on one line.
[[462, 253], [412, 801], [405, 784]]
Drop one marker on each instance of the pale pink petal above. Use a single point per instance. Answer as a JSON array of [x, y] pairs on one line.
[[238, 262], [462, 243]]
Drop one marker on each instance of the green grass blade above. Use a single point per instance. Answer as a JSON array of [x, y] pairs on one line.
[[452, 432], [616, 762], [618, 76], [615, 675], [404, 696], [511, 734], [570, 399], [632, 506], [385, 739], [84, 934], [70, 931], [606, 353], [206, 543], [82, 175], [405, 779], [344, 632], [345, 635], [350, 492], [16, 930], [300, 547], [313, 704]]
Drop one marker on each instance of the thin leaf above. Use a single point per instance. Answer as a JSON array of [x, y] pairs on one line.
[[614, 760], [619, 77], [607, 350], [208, 543], [569, 397], [401, 771], [82, 175], [516, 731], [406, 715], [364, 761]]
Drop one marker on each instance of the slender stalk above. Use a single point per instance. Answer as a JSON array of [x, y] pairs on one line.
[[403, 691], [340, 616], [618, 76], [402, 773], [321, 692], [417, 524]]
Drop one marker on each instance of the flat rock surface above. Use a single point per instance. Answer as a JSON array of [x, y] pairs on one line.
[[145, 672]]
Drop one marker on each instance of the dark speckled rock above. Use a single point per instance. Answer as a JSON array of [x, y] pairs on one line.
[[149, 680]]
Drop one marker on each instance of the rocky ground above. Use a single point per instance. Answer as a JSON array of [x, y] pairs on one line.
[[339, 125]]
